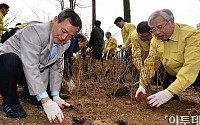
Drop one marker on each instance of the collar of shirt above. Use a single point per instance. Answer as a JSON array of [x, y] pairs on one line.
[[167, 39], [175, 35], [109, 38], [55, 44], [176, 32]]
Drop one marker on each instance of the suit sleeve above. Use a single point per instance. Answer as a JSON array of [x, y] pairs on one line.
[[113, 45], [136, 54], [92, 35], [2, 27], [105, 46], [190, 70], [130, 29], [148, 70], [30, 55]]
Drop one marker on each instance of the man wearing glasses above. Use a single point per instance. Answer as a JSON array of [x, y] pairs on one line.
[[178, 47]]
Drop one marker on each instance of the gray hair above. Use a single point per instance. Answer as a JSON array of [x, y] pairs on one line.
[[165, 13]]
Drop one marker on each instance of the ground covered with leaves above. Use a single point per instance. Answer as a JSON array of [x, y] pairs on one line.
[[94, 104]]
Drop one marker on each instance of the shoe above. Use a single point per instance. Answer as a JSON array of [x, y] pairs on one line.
[[16, 111], [64, 96], [26, 97]]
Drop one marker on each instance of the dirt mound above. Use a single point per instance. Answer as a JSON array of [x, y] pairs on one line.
[[94, 105]]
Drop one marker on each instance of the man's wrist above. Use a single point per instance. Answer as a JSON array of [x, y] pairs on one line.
[[55, 93], [42, 95], [7, 29], [171, 92], [44, 100]]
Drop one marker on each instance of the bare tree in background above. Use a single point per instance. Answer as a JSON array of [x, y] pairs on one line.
[[127, 15], [8, 20], [62, 4], [37, 12], [75, 3], [72, 4], [93, 11]]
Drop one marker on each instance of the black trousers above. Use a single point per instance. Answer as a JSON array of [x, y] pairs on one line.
[[97, 52], [169, 78], [11, 74]]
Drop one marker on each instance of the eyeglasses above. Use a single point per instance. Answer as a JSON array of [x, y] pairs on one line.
[[159, 27]]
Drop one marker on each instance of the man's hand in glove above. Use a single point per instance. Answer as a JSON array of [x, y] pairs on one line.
[[159, 98], [123, 47], [71, 85], [107, 49], [88, 49], [62, 104], [139, 92], [52, 111], [8, 30]]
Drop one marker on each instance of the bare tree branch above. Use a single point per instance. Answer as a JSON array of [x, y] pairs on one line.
[[55, 4], [72, 4], [35, 13], [10, 19]]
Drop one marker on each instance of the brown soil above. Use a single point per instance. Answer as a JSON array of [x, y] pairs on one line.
[[94, 105]]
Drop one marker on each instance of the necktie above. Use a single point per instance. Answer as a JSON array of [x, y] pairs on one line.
[[54, 51]]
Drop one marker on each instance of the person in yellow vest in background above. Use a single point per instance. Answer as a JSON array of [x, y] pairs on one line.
[[140, 40], [126, 31], [178, 46], [4, 8], [110, 46]]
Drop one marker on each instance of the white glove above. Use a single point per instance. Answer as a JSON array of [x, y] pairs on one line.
[[123, 46], [7, 29], [159, 98], [61, 103], [107, 49], [52, 111], [71, 85], [139, 92], [88, 49]]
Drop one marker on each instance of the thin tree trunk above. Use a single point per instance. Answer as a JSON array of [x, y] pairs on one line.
[[72, 4], [62, 4], [127, 15], [93, 12]]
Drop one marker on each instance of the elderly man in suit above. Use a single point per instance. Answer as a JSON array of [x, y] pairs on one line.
[[34, 55]]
